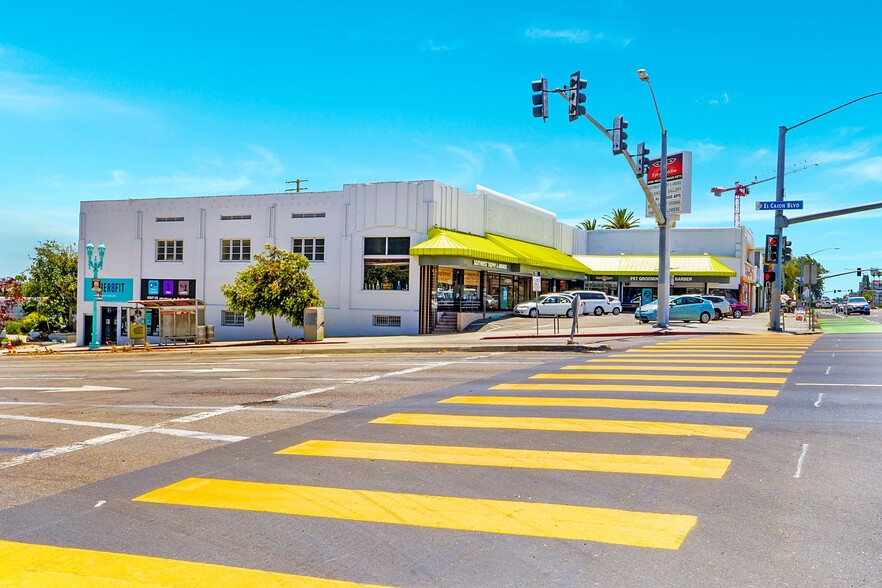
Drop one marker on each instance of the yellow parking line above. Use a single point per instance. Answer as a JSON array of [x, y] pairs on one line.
[[26, 564], [667, 378], [727, 407], [680, 368], [656, 465], [570, 425], [639, 389], [534, 519], [692, 361]]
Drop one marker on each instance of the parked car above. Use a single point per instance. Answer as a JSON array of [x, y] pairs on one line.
[[684, 308], [720, 304], [615, 303], [38, 335], [824, 303], [857, 304], [593, 301], [548, 305], [738, 308]]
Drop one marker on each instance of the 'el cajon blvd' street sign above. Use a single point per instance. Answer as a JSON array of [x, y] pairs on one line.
[[782, 205]]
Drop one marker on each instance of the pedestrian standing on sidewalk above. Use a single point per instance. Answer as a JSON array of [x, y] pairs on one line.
[[576, 305]]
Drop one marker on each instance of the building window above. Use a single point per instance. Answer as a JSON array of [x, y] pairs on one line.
[[391, 273], [387, 245], [312, 249], [169, 219], [232, 319], [169, 250], [307, 215], [225, 217], [235, 249]]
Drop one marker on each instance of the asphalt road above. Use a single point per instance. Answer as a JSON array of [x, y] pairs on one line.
[[688, 461]]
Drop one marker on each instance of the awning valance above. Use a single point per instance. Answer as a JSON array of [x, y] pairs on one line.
[[540, 256], [453, 243], [647, 265]]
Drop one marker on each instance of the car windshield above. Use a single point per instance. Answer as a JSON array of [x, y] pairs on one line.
[[857, 299]]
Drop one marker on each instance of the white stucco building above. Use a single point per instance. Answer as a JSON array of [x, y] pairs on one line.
[[387, 258]]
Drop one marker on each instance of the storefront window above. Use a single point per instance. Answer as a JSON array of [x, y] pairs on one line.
[[387, 274]]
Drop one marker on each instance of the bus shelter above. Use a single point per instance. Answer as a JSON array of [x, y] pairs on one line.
[[171, 321]]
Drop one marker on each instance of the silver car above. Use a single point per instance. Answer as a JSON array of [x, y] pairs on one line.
[[547, 305], [720, 304]]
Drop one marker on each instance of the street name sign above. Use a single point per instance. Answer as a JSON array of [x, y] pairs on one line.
[[782, 205]]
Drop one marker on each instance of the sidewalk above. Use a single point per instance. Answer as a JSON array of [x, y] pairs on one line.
[[496, 336]]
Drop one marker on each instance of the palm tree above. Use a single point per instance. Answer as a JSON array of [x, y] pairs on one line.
[[588, 224], [621, 218]]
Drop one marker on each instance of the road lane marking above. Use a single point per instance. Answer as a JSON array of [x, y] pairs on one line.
[[666, 377], [171, 406], [820, 397], [801, 461], [639, 388], [723, 355], [508, 517], [847, 350], [625, 403], [691, 361], [104, 439], [838, 384], [119, 427], [571, 425], [62, 389], [656, 465], [28, 564], [194, 371], [679, 368]]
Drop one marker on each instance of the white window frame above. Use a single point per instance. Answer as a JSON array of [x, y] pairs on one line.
[[309, 247], [175, 254], [229, 247], [232, 319]]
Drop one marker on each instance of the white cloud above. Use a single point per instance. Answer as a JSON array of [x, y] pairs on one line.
[[867, 169], [565, 35], [26, 94]]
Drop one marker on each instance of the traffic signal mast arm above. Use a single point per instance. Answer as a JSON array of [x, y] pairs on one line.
[[659, 217]]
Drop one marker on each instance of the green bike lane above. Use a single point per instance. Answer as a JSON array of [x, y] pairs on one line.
[[837, 324]]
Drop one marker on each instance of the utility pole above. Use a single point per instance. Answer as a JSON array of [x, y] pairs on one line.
[[297, 187]]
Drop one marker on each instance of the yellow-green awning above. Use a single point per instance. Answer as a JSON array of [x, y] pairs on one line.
[[447, 242], [647, 265], [539, 255]]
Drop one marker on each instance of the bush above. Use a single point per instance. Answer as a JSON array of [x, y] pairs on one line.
[[34, 320], [13, 328]]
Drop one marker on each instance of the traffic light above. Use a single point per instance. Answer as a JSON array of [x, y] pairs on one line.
[[787, 251], [858, 272], [619, 135], [577, 84], [768, 276], [772, 248], [540, 98], [642, 160]]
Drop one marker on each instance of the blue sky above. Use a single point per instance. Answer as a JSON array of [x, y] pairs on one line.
[[111, 100]]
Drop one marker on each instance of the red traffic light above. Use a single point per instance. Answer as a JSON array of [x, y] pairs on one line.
[[769, 277], [773, 240]]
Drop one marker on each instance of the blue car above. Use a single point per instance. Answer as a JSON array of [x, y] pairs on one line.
[[683, 308]]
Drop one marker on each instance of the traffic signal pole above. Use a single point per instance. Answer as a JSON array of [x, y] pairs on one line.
[[775, 311]]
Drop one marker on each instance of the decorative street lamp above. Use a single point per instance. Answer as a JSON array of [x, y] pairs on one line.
[[95, 264], [664, 231]]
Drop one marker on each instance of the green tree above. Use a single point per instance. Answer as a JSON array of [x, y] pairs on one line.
[[275, 284], [792, 272], [588, 224], [52, 281], [621, 218]]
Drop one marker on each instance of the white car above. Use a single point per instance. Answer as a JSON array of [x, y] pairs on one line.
[[593, 301], [720, 304], [615, 303], [548, 305], [857, 304]]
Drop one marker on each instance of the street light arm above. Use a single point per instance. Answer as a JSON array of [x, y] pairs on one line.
[[829, 111]]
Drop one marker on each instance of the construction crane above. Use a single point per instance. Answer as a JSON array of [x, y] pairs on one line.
[[742, 189]]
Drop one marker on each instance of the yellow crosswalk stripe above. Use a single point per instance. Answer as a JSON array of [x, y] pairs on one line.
[[725, 407], [668, 378], [708, 354], [650, 360], [657, 465], [561, 521], [675, 368], [572, 425], [26, 564], [712, 347], [639, 389]]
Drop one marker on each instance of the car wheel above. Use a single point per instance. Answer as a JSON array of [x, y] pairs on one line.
[[570, 313], [705, 317], [616, 311], [718, 314], [644, 320], [736, 314], [534, 313], [598, 311]]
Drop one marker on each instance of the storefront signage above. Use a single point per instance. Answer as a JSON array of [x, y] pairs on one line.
[[490, 264], [679, 186], [445, 275], [675, 278], [602, 278], [158, 289], [109, 289]]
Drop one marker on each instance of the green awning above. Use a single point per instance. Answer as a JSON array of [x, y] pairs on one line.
[[453, 243], [539, 256], [647, 265]]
